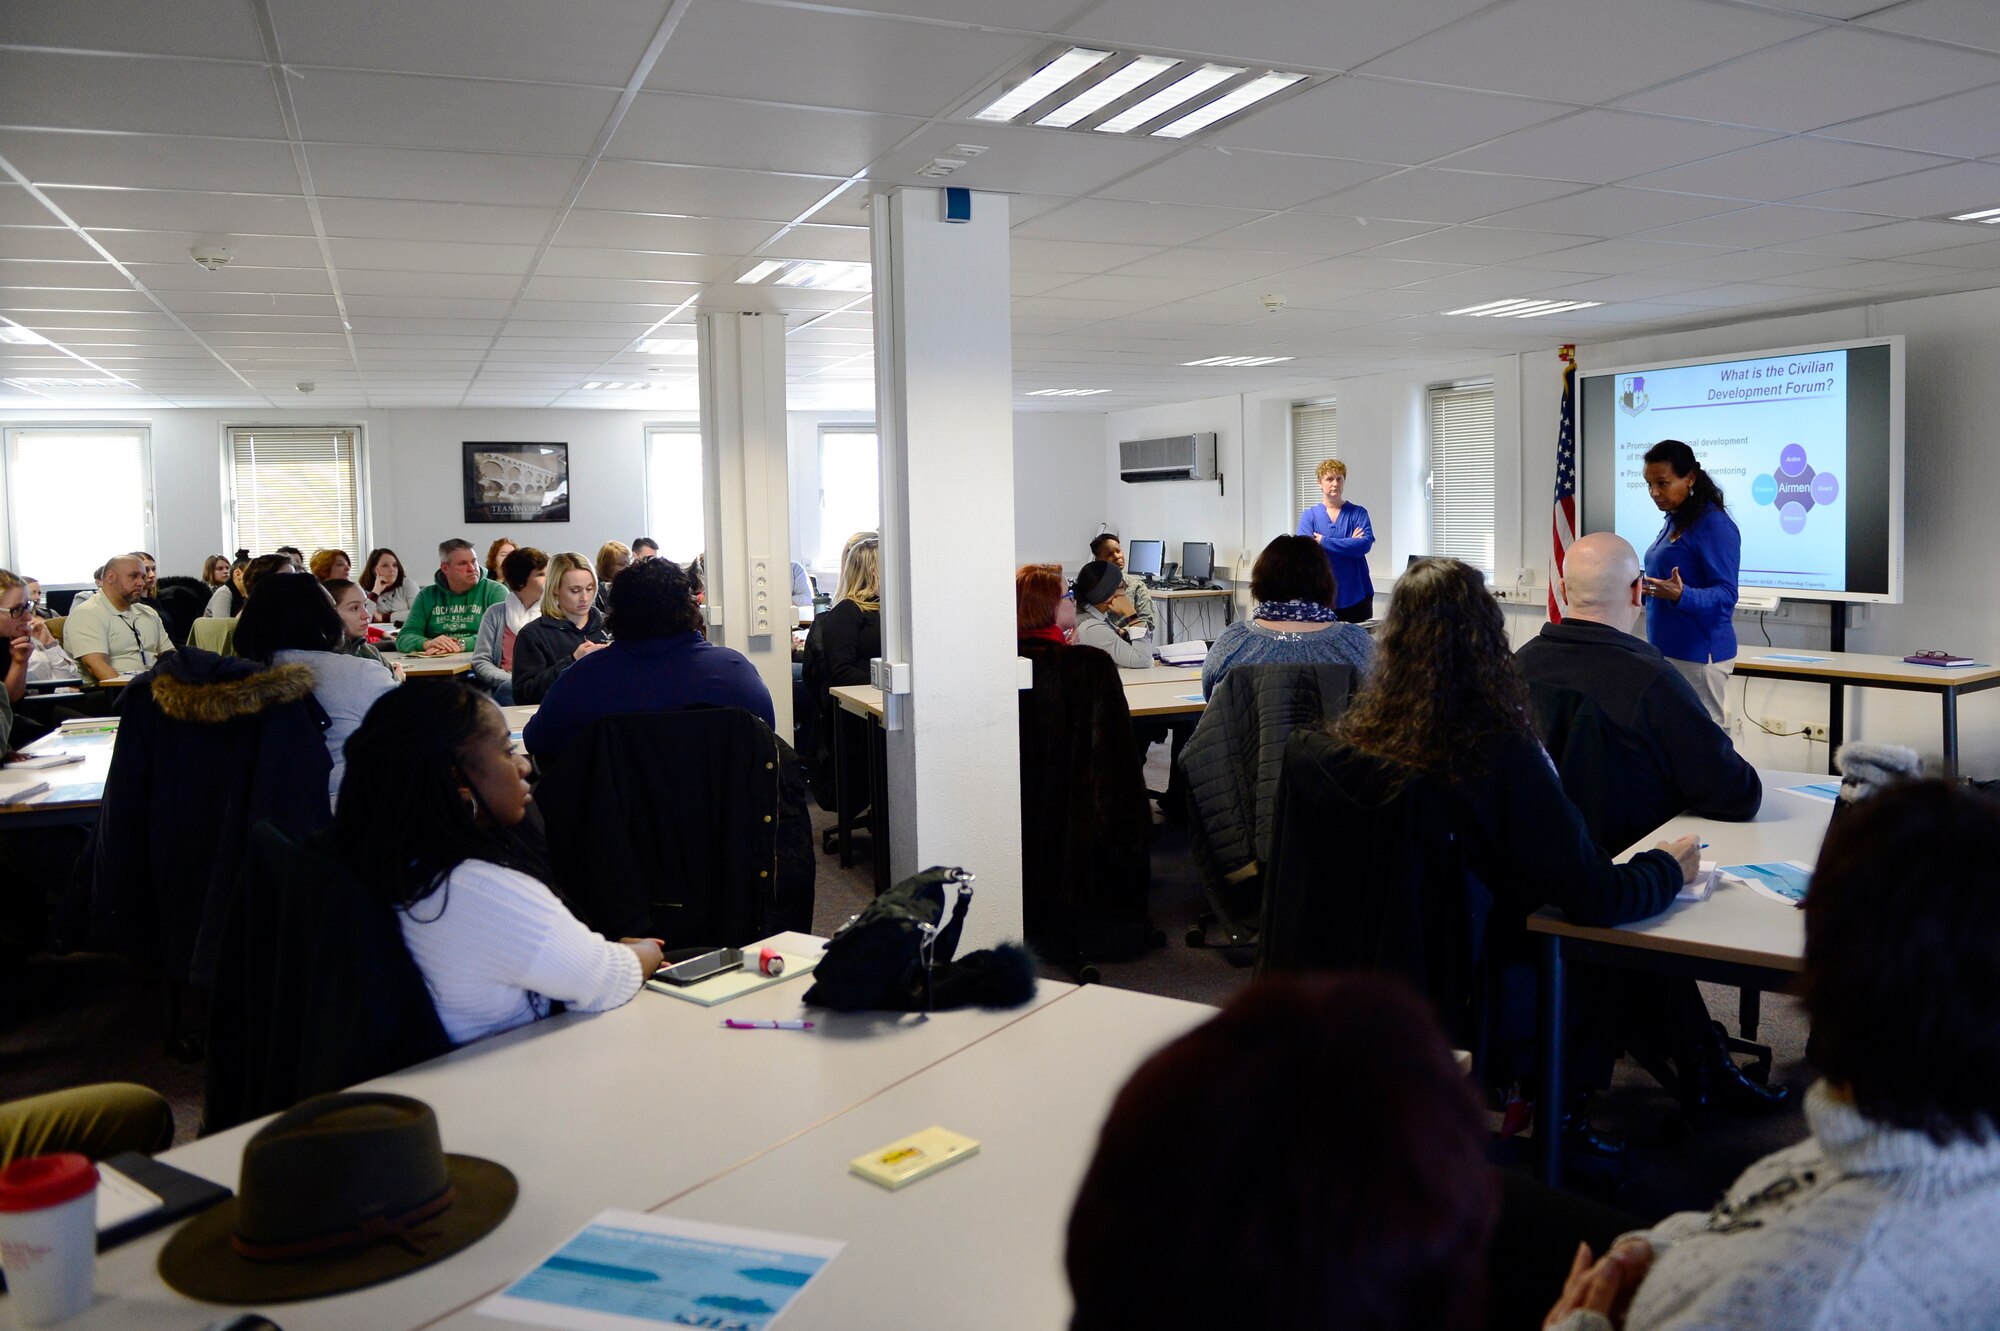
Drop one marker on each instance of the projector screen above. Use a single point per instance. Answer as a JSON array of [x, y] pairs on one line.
[[1806, 443]]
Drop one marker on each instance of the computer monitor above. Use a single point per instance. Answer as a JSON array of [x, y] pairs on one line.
[[1198, 560], [1142, 558]]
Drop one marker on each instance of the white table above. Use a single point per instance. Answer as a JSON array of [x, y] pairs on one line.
[[633, 1108], [1738, 936], [1862, 670], [95, 746], [415, 665]]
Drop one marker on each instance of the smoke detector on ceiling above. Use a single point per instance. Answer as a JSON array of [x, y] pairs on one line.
[[305, 385], [940, 166], [211, 257], [1272, 303]]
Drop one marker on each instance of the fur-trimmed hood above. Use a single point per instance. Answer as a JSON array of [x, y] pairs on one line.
[[217, 689]]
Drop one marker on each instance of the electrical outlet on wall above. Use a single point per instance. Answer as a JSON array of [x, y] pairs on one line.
[[1815, 731]]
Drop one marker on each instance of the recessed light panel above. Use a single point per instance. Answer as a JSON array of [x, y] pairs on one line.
[[1067, 392], [1239, 362], [819, 274], [1523, 308], [1985, 216], [16, 335], [1118, 92], [667, 347]]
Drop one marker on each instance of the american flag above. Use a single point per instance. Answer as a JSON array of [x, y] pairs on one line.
[[1564, 522]]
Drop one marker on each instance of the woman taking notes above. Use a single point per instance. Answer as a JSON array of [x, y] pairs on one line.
[[1345, 534], [1690, 577]]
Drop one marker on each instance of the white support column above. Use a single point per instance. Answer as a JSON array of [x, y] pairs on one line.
[[944, 410], [746, 503]]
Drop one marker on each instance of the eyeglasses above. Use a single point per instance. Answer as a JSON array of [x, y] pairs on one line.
[[1929, 655], [21, 611]]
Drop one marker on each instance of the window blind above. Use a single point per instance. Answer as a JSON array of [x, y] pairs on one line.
[[674, 514], [1461, 480], [1315, 438], [296, 487]]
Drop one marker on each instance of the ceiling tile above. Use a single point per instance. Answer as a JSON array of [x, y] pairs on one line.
[[342, 170], [585, 41], [1607, 47], [1715, 267], [1859, 276], [1984, 254], [1615, 256], [169, 210], [1227, 265], [400, 219], [1603, 146], [716, 131], [1139, 223], [1821, 80], [698, 191], [1313, 233], [1034, 15], [160, 27], [140, 96], [1383, 121], [29, 273], [565, 262], [1787, 168], [682, 235], [430, 256], [609, 289], [1477, 245], [1151, 290], [1768, 224], [1024, 160], [424, 307], [1203, 174], [1440, 196], [148, 161], [487, 286], [1961, 125], [1611, 211], [392, 110], [1959, 188], [247, 251], [1314, 36], [814, 58], [190, 276], [1070, 256], [1892, 240], [1961, 22], [841, 244]]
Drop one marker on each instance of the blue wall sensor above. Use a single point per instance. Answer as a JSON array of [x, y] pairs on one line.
[[957, 204]]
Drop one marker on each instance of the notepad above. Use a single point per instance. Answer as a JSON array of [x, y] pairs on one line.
[[1703, 884], [36, 762], [910, 1158]]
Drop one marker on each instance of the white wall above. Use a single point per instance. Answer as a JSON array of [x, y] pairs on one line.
[[1952, 543], [412, 498]]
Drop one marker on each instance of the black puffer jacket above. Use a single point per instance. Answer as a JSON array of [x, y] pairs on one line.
[[1233, 759], [208, 746]]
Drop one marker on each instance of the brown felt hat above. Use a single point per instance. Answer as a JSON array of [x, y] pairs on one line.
[[338, 1193]]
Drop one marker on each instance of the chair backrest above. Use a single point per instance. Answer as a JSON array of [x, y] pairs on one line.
[[1234, 757], [180, 601], [314, 988], [1585, 743], [55, 627], [1366, 875], [687, 826], [214, 635], [1086, 826]]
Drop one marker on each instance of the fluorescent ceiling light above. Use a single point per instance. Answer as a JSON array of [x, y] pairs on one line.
[[1064, 68], [1987, 216], [21, 337], [635, 386], [1523, 308], [1142, 70], [817, 274], [1256, 90], [667, 347], [1067, 392], [69, 383], [1169, 97], [1239, 361]]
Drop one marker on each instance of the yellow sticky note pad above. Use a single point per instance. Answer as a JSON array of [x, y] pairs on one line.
[[910, 1158]]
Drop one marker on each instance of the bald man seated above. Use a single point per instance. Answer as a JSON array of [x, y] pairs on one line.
[[1633, 743]]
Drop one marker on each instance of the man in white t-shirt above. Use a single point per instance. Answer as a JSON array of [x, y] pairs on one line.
[[114, 633]]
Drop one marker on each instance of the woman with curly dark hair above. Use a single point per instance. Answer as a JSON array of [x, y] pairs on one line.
[[1691, 571], [1443, 705]]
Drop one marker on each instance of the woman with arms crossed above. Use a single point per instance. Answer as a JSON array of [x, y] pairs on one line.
[[1344, 532], [1690, 576]]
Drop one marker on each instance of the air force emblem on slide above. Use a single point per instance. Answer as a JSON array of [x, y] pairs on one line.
[[1632, 395]]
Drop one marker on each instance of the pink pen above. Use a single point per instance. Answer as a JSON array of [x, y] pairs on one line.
[[767, 1025]]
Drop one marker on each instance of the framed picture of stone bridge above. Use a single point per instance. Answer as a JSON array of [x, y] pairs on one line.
[[516, 482]]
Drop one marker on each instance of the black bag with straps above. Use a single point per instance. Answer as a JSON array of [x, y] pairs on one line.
[[893, 956]]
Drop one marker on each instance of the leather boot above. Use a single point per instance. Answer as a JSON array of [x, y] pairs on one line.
[[1581, 1137], [1713, 1087]]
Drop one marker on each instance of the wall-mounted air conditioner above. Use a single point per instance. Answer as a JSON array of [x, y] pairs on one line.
[[1184, 457]]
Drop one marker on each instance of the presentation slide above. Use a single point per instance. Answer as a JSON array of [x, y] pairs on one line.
[[1773, 434]]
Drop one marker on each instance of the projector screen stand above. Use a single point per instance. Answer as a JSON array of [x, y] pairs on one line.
[[1836, 692]]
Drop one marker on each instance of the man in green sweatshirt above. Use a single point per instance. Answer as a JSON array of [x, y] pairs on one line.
[[445, 616]]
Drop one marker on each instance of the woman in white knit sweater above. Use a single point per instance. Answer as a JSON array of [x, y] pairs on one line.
[[1886, 1215], [432, 792]]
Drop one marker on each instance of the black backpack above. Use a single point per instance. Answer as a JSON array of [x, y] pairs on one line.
[[894, 957]]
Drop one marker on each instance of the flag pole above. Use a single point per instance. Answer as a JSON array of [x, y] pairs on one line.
[[1563, 515]]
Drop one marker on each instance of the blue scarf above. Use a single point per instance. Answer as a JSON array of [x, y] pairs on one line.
[[1298, 612]]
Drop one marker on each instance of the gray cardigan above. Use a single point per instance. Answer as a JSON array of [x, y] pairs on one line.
[[486, 667], [1094, 630], [1858, 1227]]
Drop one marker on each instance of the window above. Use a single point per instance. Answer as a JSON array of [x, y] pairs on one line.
[[850, 488], [674, 513], [76, 497], [295, 487], [1315, 438], [1461, 479]]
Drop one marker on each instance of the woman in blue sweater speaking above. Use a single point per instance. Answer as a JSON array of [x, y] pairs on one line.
[[1691, 568]]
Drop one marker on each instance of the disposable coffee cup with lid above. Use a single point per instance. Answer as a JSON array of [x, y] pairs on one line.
[[48, 1237]]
